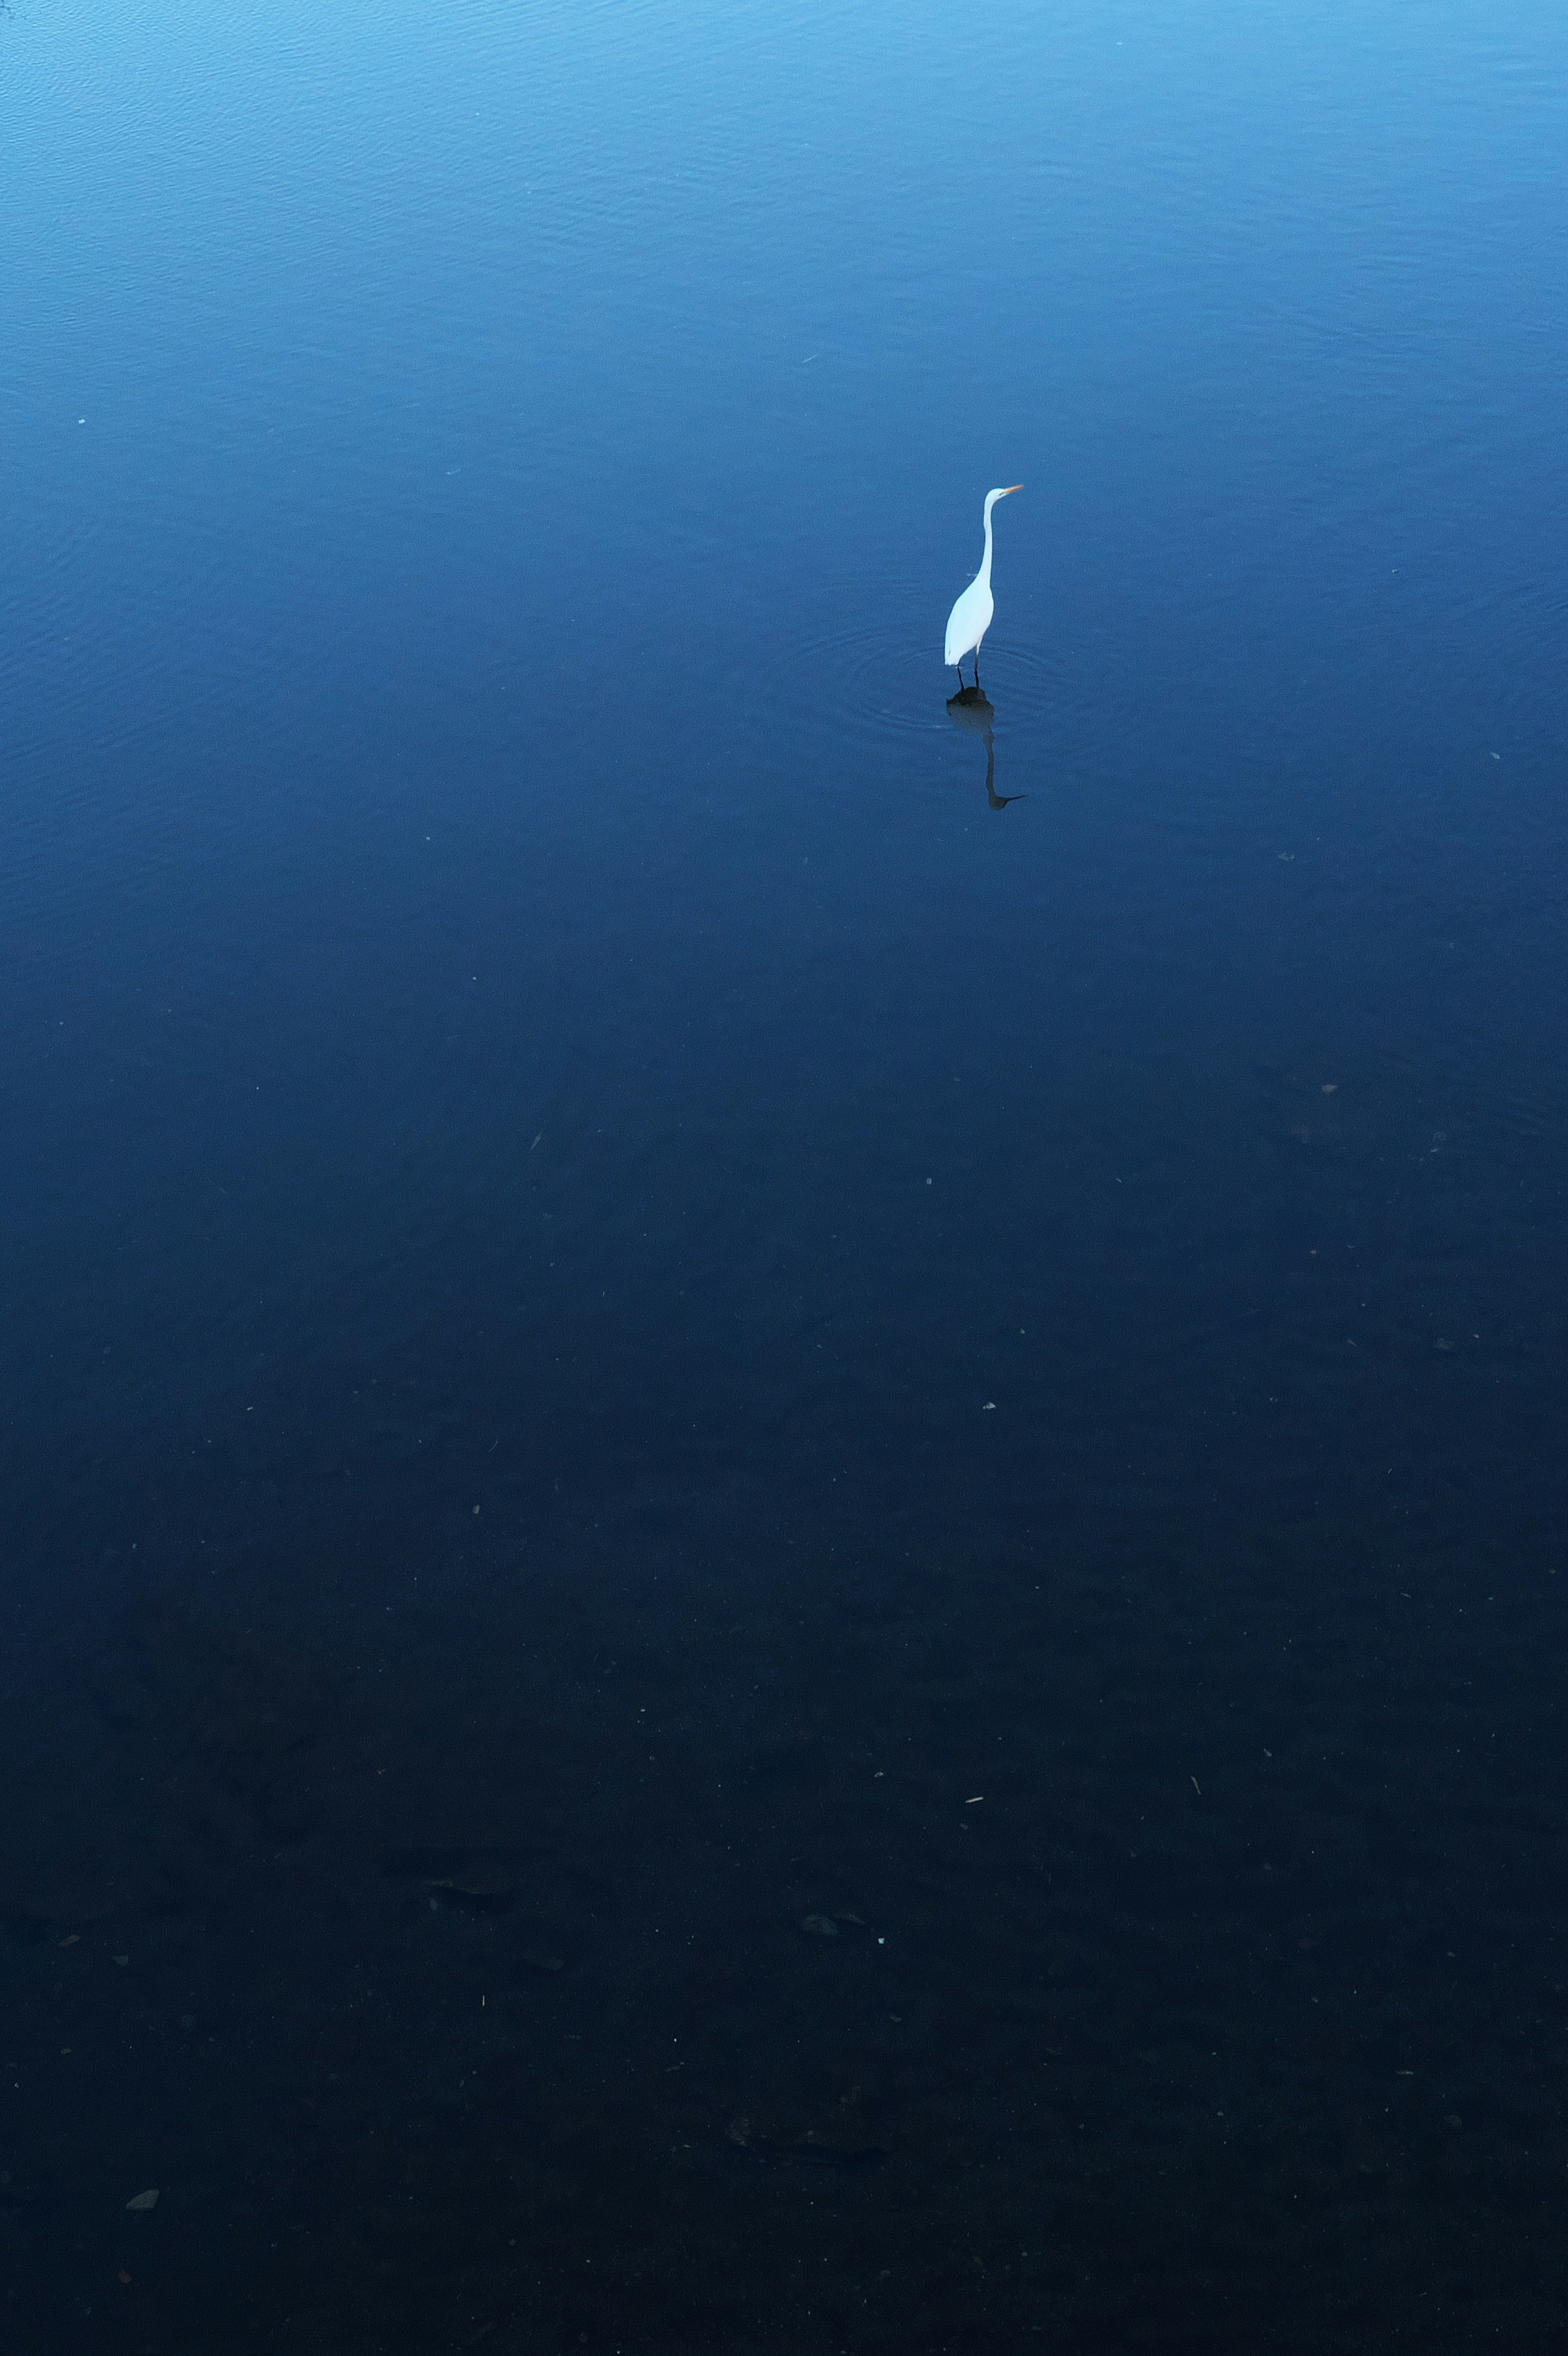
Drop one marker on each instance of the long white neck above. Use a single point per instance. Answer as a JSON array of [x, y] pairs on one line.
[[985, 573]]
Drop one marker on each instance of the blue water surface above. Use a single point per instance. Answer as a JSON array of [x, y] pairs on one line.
[[784, 1463]]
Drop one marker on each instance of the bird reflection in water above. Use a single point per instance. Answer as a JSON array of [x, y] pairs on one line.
[[971, 710]]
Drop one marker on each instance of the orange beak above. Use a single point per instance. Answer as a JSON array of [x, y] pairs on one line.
[[1011, 488]]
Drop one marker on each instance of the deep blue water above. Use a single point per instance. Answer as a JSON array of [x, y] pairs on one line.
[[785, 1562]]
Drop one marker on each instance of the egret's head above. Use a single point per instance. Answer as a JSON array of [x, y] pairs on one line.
[[992, 496]]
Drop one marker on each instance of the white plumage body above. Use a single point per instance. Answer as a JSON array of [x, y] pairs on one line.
[[968, 621], [971, 614]]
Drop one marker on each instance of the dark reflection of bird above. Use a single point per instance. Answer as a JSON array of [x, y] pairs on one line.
[[973, 711]]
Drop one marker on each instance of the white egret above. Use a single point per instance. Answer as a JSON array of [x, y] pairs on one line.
[[970, 617]]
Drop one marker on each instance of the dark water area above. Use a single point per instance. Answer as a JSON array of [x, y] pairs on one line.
[[784, 1470]]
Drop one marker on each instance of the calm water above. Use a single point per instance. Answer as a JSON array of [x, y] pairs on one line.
[[786, 1569]]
